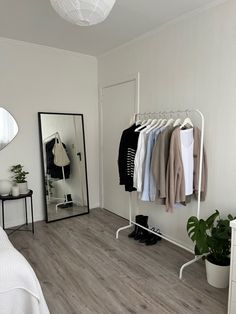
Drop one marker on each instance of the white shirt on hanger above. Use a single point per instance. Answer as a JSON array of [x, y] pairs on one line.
[[139, 161], [187, 142]]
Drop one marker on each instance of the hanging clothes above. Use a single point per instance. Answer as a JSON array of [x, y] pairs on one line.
[[163, 164], [196, 166], [139, 161], [61, 158], [53, 170], [127, 151], [187, 142], [159, 163], [149, 190], [175, 177]]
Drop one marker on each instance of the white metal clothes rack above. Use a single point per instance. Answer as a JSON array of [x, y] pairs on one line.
[[131, 222]]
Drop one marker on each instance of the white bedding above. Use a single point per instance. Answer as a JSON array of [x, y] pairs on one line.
[[20, 291]]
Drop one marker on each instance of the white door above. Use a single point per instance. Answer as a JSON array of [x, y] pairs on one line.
[[118, 106]]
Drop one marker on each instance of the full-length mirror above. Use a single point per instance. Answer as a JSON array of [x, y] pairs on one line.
[[64, 165], [8, 128]]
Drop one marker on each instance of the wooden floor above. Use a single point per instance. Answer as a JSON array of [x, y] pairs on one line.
[[84, 269]]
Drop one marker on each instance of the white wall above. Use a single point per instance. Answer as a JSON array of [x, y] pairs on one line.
[[189, 63], [36, 78]]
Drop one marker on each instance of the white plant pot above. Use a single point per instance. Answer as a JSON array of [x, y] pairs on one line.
[[23, 187], [5, 187], [15, 190], [217, 276]]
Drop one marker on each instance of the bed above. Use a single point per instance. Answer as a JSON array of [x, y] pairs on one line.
[[20, 291]]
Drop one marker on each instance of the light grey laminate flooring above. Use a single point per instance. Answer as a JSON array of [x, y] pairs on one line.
[[84, 269]]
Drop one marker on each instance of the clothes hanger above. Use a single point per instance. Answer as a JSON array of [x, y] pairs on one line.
[[156, 125], [154, 121], [143, 125], [149, 127], [177, 122], [153, 127], [139, 121], [132, 119], [171, 120], [187, 121], [145, 119], [163, 122]]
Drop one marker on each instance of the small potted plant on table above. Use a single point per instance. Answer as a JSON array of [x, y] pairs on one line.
[[19, 177], [212, 238]]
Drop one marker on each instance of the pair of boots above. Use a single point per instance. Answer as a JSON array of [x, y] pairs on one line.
[[138, 232], [144, 236]]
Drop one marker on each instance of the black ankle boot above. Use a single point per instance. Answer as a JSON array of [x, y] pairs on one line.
[[141, 232], [145, 236], [153, 238], [134, 232]]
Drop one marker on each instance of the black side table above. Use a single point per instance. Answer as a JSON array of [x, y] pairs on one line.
[[12, 198]]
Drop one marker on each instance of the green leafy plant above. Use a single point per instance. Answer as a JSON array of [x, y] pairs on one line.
[[19, 176], [212, 237]]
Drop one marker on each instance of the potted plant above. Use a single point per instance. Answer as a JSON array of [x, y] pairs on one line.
[[19, 177], [212, 238]]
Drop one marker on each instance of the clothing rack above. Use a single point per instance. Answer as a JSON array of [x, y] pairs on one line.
[[46, 140], [166, 114]]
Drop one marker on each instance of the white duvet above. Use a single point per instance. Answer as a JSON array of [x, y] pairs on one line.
[[20, 291]]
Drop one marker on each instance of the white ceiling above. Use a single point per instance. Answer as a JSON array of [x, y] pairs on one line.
[[35, 21]]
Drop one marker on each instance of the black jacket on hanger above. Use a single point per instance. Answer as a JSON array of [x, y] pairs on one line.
[[55, 171], [127, 151]]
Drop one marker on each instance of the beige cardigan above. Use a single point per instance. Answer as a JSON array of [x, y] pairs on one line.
[[159, 161], [175, 183]]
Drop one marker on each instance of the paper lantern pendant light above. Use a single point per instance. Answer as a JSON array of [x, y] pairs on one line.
[[83, 12]]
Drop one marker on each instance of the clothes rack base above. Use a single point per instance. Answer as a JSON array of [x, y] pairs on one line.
[[131, 222]]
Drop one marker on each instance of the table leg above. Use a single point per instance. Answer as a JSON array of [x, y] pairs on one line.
[[32, 213], [26, 212], [3, 218]]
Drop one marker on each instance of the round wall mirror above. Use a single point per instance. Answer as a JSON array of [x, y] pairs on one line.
[[8, 128]]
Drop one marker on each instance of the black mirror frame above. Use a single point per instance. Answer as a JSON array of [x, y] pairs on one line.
[[42, 163]]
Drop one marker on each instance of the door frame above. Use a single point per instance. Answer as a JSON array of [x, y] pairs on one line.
[[132, 78]]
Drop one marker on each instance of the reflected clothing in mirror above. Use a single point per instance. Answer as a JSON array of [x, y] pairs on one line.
[[8, 128], [53, 170], [63, 165]]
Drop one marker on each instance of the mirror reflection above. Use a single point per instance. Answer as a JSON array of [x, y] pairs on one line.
[[64, 165], [8, 128]]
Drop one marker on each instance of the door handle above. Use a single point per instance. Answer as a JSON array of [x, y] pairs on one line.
[[80, 156]]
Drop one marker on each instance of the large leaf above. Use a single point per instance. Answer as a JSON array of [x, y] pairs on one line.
[[191, 227], [197, 232], [210, 220]]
